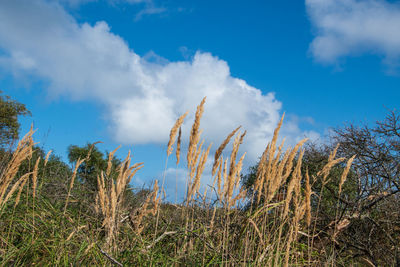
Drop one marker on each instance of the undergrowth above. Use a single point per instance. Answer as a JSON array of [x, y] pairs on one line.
[[48, 218]]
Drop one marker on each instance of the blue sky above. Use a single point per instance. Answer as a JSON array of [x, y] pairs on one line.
[[122, 71]]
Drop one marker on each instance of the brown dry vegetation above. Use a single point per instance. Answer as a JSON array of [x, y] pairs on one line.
[[273, 223]]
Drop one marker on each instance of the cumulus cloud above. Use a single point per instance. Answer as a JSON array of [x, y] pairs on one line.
[[142, 97], [353, 27]]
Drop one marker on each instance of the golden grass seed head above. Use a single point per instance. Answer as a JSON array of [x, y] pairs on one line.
[[193, 139], [178, 146], [34, 177], [47, 157], [345, 173], [308, 200], [218, 152], [110, 158], [174, 131]]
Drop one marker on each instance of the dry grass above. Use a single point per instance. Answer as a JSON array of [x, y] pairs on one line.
[[174, 131], [195, 135], [110, 196], [152, 199], [345, 173], [23, 151], [178, 146], [218, 152], [208, 229], [71, 185]]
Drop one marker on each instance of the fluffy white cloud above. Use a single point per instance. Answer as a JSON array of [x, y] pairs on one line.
[[142, 98], [352, 27]]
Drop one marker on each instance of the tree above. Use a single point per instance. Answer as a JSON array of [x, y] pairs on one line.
[[314, 159], [378, 156], [9, 125], [52, 178], [368, 207], [375, 229], [93, 165]]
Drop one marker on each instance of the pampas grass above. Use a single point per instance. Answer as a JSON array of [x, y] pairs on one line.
[[47, 157], [268, 226], [174, 131], [178, 146], [71, 185], [23, 151], [110, 196], [195, 134], [218, 152], [345, 173]]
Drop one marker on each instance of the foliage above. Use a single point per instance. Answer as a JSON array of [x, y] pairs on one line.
[[95, 162], [368, 204], [374, 212], [306, 207], [9, 125]]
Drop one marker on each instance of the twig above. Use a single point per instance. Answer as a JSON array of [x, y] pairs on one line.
[[199, 237], [160, 237], [114, 261], [370, 205]]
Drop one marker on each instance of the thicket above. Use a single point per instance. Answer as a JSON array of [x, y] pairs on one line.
[[305, 205]]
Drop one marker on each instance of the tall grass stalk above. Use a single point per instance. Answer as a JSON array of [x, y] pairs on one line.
[[226, 224]]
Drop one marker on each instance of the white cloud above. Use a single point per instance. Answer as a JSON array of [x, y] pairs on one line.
[[76, 3], [150, 9], [353, 27], [135, 1], [142, 98]]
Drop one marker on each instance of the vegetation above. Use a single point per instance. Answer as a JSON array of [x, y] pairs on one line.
[[306, 205], [9, 125]]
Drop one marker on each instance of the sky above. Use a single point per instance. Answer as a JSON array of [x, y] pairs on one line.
[[122, 71]]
